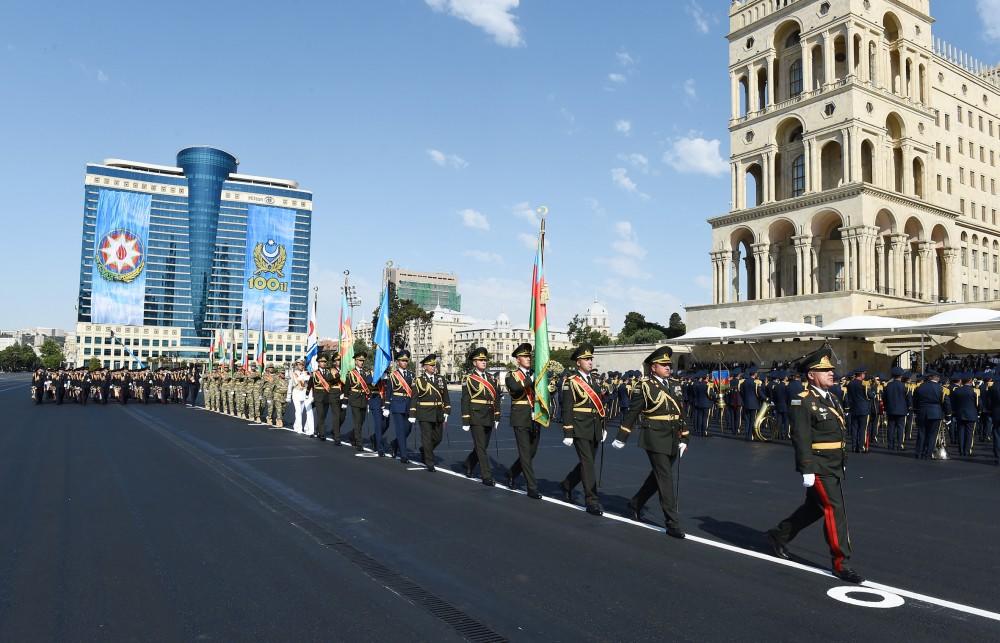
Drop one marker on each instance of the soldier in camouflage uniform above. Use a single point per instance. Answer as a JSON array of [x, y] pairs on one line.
[[266, 403], [206, 389], [227, 392], [253, 397], [280, 396]]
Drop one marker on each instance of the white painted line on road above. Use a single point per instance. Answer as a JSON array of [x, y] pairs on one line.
[[843, 594]]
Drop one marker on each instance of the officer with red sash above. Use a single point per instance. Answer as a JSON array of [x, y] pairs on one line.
[[664, 437], [480, 413], [359, 386], [430, 407], [398, 398], [521, 384], [583, 417], [819, 435]]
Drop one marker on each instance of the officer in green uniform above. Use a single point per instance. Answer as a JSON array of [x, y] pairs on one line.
[[521, 384], [241, 393], [583, 426], [819, 435], [267, 396], [430, 408], [259, 398], [664, 436], [358, 392], [480, 413]]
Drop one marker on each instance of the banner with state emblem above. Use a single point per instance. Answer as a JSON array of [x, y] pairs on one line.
[[118, 277], [267, 273]]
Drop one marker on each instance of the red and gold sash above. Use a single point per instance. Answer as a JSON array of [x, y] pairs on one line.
[[402, 383], [529, 392], [594, 397], [361, 380], [319, 377], [485, 382]]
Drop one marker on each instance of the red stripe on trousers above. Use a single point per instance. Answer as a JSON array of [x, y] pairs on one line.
[[830, 524]]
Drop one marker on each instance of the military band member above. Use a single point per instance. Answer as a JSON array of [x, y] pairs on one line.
[[430, 407], [664, 437], [583, 417], [38, 385], [398, 399], [521, 385], [896, 407], [358, 382], [751, 392], [929, 400], [965, 406], [480, 413], [701, 403], [819, 435], [859, 410], [326, 399]]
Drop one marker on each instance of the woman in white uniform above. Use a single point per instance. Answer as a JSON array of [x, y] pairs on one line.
[[301, 397]]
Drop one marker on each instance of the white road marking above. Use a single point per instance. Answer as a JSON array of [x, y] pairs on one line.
[[843, 594]]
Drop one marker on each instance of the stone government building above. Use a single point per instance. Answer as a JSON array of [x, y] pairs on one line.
[[863, 166]]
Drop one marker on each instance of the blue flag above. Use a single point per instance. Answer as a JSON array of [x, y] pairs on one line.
[[383, 349]]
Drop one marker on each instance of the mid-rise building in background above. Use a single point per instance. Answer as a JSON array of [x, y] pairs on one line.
[[173, 257], [429, 290]]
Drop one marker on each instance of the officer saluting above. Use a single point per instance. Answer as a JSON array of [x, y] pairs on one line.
[[819, 435], [583, 427], [664, 437], [521, 384], [430, 407]]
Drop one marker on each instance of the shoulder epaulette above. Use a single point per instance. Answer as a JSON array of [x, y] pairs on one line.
[[804, 394]]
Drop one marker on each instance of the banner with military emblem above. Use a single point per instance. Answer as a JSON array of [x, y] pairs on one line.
[[267, 273], [118, 277]]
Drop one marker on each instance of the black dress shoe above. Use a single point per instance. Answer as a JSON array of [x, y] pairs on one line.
[[777, 547], [430, 468], [321, 438], [633, 512], [535, 495], [849, 575], [595, 510], [381, 454], [509, 481], [468, 471], [404, 461], [359, 449], [489, 483], [675, 532]]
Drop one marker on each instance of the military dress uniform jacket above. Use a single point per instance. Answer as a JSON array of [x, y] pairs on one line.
[[661, 415], [780, 397], [332, 379], [965, 404], [431, 402], [522, 397], [399, 392], [858, 398], [582, 414], [359, 388], [751, 393], [931, 401], [819, 434], [894, 396], [699, 396], [480, 400]]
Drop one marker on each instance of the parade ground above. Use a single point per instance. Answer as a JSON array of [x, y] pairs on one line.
[[171, 523]]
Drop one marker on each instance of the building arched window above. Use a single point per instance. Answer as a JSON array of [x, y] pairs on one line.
[[795, 78], [799, 175]]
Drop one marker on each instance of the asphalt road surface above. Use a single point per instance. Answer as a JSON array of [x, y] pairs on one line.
[[164, 522]]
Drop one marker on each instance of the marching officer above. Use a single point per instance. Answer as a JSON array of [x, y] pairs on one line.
[[965, 405], [819, 435], [702, 403], [993, 403], [583, 427], [326, 398], [664, 437], [896, 406], [751, 394], [780, 398], [860, 408], [930, 401], [430, 408], [359, 390], [398, 398], [38, 385], [480, 413], [521, 384]]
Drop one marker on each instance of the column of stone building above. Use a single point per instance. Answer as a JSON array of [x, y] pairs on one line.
[[845, 156], [807, 65], [734, 266], [880, 281], [773, 270], [828, 67], [907, 270], [850, 268], [950, 260], [897, 245], [715, 277], [761, 278], [907, 169], [925, 248], [850, 49], [769, 63], [812, 265], [753, 98], [766, 179], [734, 94]]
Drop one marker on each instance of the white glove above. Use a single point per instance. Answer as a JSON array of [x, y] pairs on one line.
[[446, 418], [465, 427], [568, 441], [288, 398], [343, 406], [808, 479], [618, 444], [682, 448], [604, 435], [385, 413], [496, 425], [412, 420]]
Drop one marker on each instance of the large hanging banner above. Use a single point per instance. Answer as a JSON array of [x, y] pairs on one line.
[[267, 273], [119, 274]]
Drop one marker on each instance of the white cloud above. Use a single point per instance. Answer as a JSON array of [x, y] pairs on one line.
[[528, 240], [617, 78], [620, 177], [102, 77], [624, 295], [447, 160], [690, 90], [523, 210], [625, 59], [989, 13], [595, 207], [698, 15], [487, 297], [495, 17], [637, 161], [624, 127], [483, 256], [696, 155], [474, 219], [627, 242]]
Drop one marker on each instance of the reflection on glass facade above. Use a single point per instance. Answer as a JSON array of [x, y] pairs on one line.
[[197, 245]]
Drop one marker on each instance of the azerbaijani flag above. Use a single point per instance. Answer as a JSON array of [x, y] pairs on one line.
[[261, 345], [220, 342], [211, 349], [539, 323], [346, 340], [245, 344]]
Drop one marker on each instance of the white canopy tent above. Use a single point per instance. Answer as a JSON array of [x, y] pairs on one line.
[[961, 320], [708, 335], [780, 330], [865, 326]]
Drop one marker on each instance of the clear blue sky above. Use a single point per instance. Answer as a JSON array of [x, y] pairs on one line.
[[427, 129]]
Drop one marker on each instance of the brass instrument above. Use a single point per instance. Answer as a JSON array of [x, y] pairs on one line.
[[761, 415], [941, 444]]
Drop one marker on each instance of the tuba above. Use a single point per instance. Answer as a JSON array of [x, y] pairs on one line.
[[761, 415]]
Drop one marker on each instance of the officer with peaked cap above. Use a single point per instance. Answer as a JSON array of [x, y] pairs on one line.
[[398, 398], [859, 408], [480, 413], [430, 407], [819, 435], [583, 417], [894, 396], [664, 437], [521, 384], [751, 392], [359, 389]]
